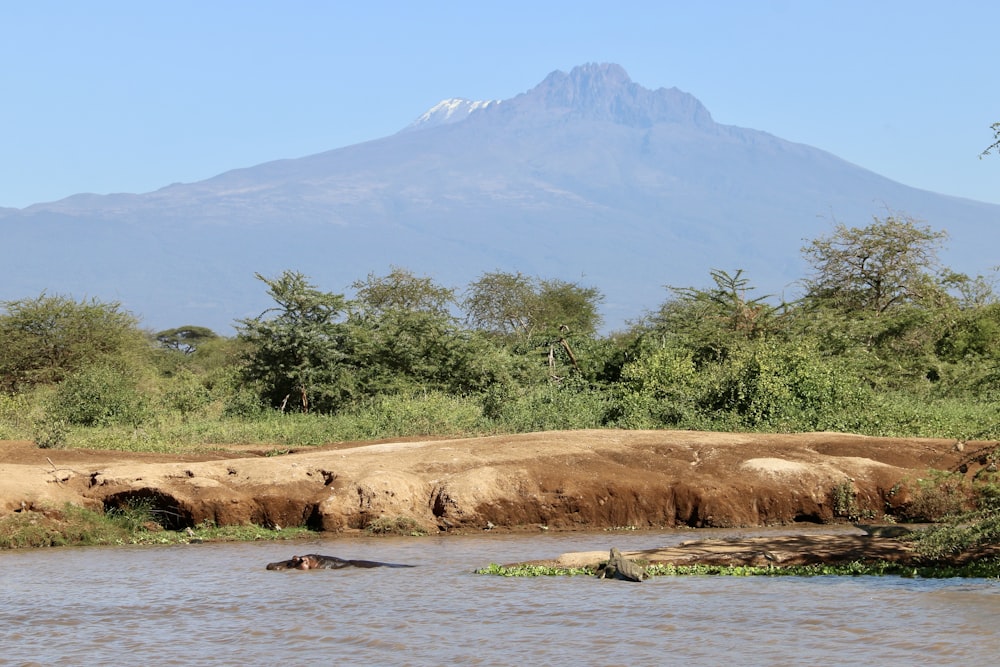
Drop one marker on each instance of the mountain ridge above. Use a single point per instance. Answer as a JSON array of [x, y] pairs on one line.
[[587, 176]]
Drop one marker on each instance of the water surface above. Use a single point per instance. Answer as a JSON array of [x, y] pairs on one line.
[[215, 604]]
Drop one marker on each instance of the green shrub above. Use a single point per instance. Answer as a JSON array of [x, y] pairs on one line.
[[400, 525], [15, 415], [658, 389], [425, 413], [845, 500], [50, 433], [939, 495], [553, 406], [243, 403], [101, 395], [185, 393], [784, 387]]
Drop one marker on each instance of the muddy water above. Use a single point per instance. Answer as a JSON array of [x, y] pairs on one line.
[[215, 604]]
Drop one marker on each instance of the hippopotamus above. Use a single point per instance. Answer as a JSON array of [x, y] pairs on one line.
[[318, 562]]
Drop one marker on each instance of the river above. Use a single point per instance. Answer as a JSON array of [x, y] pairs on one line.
[[215, 604]]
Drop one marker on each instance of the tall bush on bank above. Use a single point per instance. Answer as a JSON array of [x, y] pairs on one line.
[[565, 405], [47, 338], [783, 386], [105, 394], [406, 340], [659, 389], [762, 384], [879, 295], [295, 351]]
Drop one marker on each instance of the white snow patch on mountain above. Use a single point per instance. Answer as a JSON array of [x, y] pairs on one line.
[[449, 111]]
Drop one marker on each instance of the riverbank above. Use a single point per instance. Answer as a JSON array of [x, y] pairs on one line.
[[566, 480]]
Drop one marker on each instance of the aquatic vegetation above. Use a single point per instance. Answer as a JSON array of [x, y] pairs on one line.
[[981, 569], [527, 570]]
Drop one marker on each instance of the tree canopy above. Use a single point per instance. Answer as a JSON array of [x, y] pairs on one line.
[[47, 338], [294, 349], [512, 303], [184, 339], [401, 290], [890, 262]]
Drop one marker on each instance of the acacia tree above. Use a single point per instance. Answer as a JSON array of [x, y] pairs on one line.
[[891, 262], [535, 313], [401, 290], [512, 303], [184, 339], [295, 350], [406, 337], [710, 321], [501, 303], [47, 338], [996, 140], [879, 296]]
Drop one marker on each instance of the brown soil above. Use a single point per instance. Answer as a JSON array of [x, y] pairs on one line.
[[567, 480]]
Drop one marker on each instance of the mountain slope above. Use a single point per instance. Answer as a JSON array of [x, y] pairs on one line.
[[586, 177]]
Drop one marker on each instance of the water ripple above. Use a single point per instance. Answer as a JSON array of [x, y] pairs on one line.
[[216, 605]]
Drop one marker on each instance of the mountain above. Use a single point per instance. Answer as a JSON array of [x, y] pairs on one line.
[[447, 112], [587, 177]]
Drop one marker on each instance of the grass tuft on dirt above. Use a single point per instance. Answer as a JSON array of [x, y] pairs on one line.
[[78, 526]]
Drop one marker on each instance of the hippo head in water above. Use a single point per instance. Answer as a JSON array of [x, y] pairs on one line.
[[293, 563], [319, 562]]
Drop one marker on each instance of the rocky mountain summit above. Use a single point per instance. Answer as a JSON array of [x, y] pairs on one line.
[[587, 177]]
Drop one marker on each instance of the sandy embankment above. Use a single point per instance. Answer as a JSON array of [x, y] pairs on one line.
[[568, 480]]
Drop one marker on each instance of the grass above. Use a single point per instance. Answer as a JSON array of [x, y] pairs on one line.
[[166, 432], [77, 526], [400, 525], [432, 413]]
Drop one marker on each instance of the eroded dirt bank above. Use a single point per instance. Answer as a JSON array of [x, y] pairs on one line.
[[558, 480]]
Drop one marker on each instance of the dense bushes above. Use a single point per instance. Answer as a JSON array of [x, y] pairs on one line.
[[893, 346], [100, 395]]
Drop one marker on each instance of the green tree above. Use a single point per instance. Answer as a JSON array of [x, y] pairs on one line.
[[295, 351], [889, 263], [501, 302], [45, 339], [401, 290], [567, 307], [514, 304], [710, 321], [879, 296], [550, 316], [184, 339], [405, 338]]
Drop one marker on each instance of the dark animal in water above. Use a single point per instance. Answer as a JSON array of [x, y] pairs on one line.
[[619, 567], [318, 562]]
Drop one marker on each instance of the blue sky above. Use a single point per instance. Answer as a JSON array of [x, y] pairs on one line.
[[107, 96]]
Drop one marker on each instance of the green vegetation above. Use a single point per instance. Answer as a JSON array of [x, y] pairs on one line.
[[882, 341], [981, 569], [526, 570], [399, 525], [77, 526]]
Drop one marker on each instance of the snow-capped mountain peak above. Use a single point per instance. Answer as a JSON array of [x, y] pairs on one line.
[[449, 111]]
